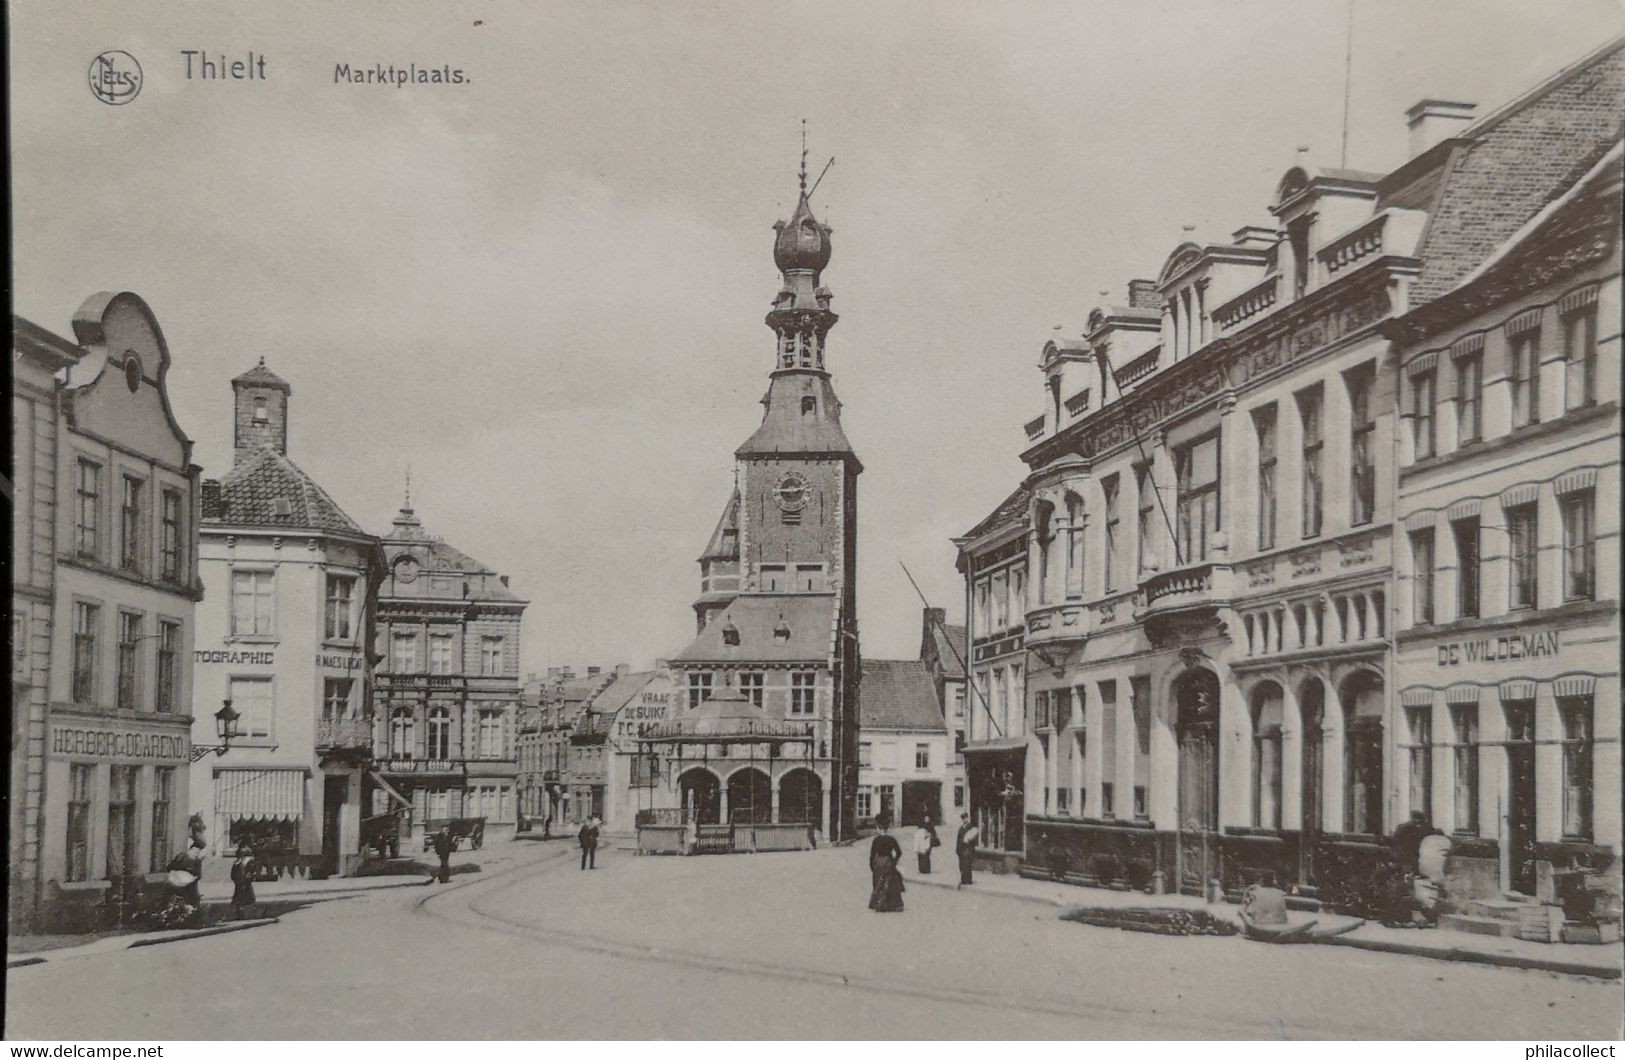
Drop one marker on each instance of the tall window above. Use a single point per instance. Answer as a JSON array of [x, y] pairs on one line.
[[1108, 486], [1464, 719], [1197, 468], [1145, 494], [750, 686], [1420, 720], [1297, 234], [169, 537], [1043, 719], [1362, 444], [130, 525], [1001, 601], [402, 733], [121, 848], [1579, 545], [699, 688], [1523, 552], [866, 754], [252, 698], [163, 809], [1108, 748], [1422, 576], [1469, 398], [984, 618], [86, 623], [1140, 702], [922, 756], [1309, 413], [1580, 357], [1424, 398], [1018, 597], [1264, 427], [1074, 545], [440, 653], [129, 644], [252, 598], [1467, 561], [1524, 375], [1267, 757], [80, 791], [802, 688], [866, 797], [337, 700], [490, 734], [1575, 713], [404, 653], [1044, 534], [87, 510], [1363, 791], [340, 607], [491, 656]]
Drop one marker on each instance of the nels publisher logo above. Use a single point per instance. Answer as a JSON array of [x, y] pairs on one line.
[[115, 77]]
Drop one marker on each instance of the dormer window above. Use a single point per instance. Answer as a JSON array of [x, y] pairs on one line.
[[781, 632], [730, 634], [809, 405], [1297, 234]]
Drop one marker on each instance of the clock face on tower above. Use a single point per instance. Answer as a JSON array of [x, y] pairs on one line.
[[791, 496]]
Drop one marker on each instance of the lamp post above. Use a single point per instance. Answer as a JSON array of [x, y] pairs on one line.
[[225, 726]]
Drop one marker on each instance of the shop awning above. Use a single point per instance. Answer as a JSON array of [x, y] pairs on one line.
[[260, 794], [382, 783], [1009, 743]]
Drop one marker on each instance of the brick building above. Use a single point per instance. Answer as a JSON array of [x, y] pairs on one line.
[[448, 687], [104, 590]]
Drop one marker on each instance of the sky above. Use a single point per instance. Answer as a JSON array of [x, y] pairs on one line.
[[542, 290]]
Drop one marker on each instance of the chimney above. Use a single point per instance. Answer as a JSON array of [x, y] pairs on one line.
[[503, 578], [594, 671], [554, 673], [661, 664], [214, 505], [260, 420], [1254, 236], [1142, 294], [622, 669], [1432, 121]]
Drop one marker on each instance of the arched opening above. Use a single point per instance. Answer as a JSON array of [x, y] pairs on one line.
[[801, 798], [750, 797], [1044, 522], [1363, 792], [1266, 719], [701, 792], [1196, 702]]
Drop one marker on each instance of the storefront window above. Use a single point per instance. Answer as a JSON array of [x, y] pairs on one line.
[[1575, 713], [1420, 720], [81, 781], [1140, 703], [1464, 718], [121, 852], [163, 803], [1362, 765], [1267, 757], [1108, 747]]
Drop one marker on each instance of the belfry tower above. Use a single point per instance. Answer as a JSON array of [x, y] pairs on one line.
[[778, 602]]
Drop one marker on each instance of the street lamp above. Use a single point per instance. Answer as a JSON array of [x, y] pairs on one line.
[[225, 726]]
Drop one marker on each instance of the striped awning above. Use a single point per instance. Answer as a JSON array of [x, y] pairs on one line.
[[1460, 695], [260, 794], [1416, 697]]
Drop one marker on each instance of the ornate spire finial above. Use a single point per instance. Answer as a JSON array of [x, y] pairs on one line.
[[803, 156], [408, 504]]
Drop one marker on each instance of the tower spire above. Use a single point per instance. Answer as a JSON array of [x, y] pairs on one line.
[[803, 156]]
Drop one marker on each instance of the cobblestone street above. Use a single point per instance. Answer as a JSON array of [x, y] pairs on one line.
[[773, 945]]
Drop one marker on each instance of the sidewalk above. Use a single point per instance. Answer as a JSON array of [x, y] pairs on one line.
[[1602, 961]]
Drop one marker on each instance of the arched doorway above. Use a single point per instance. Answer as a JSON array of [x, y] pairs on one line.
[[750, 797], [702, 795], [1196, 702], [801, 798], [1311, 775], [1363, 791]]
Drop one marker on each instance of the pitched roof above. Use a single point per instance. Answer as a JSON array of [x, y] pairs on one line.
[[268, 489], [724, 543], [259, 375], [898, 694], [809, 617], [615, 695], [1515, 161], [947, 639], [787, 429], [1010, 512], [473, 580]]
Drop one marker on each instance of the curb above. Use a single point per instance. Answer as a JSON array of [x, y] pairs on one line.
[[136, 941], [1453, 953]]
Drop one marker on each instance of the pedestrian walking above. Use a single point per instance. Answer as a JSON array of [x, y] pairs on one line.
[[923, 841], [965, 847], [589, 843], [443, 848], [885, 882], [243, 871]]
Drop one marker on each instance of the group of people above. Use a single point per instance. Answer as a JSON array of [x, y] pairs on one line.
[[885, 853]]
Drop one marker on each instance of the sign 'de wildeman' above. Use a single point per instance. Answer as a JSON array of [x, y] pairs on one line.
[[1538, 645]]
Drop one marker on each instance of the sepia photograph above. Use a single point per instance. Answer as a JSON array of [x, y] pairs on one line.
[[717, 522]]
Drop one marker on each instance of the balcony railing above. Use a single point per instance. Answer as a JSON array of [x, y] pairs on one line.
[[1138, 368], [1195, 585], [344, 732], [1359, 244], [1034, 428], [1067, 620], [421, 765], [1248, 304]]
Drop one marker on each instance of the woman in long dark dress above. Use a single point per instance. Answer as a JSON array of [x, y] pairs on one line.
[[242, 879], [886, 890]]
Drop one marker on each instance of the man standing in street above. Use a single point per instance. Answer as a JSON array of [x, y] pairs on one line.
[[965, 847], [589, 843], [442, 849]]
